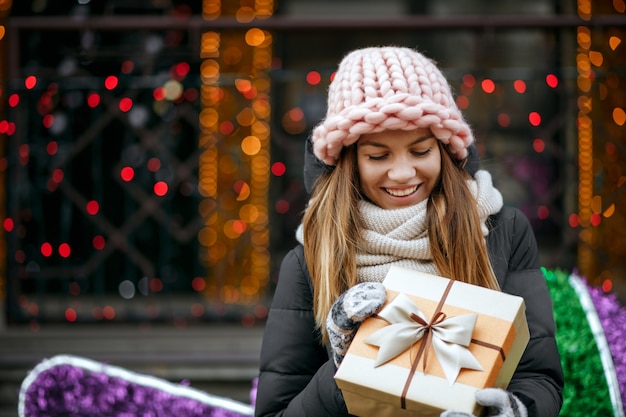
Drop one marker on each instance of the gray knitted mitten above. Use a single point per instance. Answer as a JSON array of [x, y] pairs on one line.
[[499, 403], [351, 308]]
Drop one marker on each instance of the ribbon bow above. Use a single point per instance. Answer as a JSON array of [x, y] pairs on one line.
[[449, 337]]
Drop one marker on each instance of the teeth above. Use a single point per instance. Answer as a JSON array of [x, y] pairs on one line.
[[401, 193]]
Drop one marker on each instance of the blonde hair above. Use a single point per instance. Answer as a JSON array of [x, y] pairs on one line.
[[332, 225], [457, 244]]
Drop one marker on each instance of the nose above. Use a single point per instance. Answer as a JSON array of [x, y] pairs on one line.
[[401, 171]]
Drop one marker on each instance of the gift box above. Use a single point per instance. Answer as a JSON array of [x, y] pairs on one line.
[[434, 343]]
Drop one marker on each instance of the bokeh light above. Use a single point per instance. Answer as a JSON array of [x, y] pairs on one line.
[[539, 145], [619, 116], [14, 100], [313, 78], [125, 104], [282, 206], [111, 82], [504, 120], [52, 148], [8, 224], [65, 250], [98, 242], [278, 169], [198, 284], [108, 312], [93, 100], [534, 118], [126, 289], [159, 93], [488, 86], [70, 314], [46, 249], [92, 207], [160, 188], [552, 80], [462, 102], [154, 164], [127, 173], [30, 82], [251, 145], [255, 37]]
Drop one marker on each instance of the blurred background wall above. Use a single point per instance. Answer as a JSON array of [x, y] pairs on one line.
[[151, 158]]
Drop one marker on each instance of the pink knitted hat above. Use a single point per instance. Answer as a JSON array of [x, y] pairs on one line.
[[383, 88]]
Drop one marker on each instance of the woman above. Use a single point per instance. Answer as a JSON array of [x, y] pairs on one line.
[[396, 188]]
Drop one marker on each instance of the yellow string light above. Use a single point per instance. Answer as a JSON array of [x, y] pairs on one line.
[[601, 215], [235, 160], [585, 139]]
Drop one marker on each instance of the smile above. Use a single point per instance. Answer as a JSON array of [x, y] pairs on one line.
[[401, 192]]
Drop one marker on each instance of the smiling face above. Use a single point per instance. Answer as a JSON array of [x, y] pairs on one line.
[[398, 168]]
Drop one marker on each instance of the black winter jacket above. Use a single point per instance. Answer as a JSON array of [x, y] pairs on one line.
[[296, 372]]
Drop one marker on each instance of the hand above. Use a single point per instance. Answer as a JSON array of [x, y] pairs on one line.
[[351, 308], [498, 402]]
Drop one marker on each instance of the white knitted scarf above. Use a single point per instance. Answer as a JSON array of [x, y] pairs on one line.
[[399, 237]]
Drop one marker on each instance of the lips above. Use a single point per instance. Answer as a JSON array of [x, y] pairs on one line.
[[401, 192]]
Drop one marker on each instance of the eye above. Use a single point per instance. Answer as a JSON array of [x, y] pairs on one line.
[[421, 153], [376, 157]]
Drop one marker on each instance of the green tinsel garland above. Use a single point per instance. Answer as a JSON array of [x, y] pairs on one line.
[[586, 391]]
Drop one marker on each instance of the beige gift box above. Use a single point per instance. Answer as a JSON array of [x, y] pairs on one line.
[[426, 379]]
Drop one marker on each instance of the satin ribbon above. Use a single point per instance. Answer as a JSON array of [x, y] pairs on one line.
[[450, 337]]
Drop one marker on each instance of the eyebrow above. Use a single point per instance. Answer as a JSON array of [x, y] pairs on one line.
[[382, 145]]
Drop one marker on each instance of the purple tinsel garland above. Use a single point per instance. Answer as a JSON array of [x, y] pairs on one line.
[[78, 387], [613, 316]]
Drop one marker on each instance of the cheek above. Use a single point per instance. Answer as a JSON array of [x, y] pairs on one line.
[[365, 180], [435, 167], [436, 172], [369, 184], [367, 173]]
